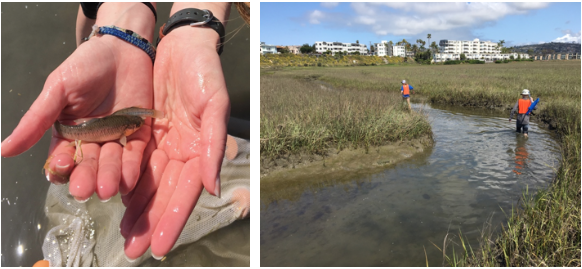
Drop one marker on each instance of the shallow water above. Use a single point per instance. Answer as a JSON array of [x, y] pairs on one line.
[[32, 48], [478, 167]]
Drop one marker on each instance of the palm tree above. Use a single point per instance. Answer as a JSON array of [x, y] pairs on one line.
[[414, 49], [500, 44], [434, 46], [428, 37]]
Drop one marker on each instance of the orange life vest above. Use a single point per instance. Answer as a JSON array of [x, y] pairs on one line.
[[405, 89], [523, 106]]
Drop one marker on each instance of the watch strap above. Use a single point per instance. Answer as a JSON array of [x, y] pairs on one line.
[[193, 17]]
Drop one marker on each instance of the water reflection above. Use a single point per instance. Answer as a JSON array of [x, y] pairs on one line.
[[521, 157]]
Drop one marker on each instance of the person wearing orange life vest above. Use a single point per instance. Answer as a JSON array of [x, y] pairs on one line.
[[521, 106], [405, 90]]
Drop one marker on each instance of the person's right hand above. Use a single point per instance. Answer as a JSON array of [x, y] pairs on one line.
[[103, 75]]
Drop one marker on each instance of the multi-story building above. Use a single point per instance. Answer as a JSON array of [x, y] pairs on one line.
[[399, 51], [334, 47], [267, 49], [384, 49], [466, 47], [294, 49], [487, 57]]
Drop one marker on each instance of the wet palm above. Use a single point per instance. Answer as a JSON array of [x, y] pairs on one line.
[[188, 145], [103, 75]]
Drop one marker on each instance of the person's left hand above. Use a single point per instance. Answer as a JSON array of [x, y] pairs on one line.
[[188, 145]]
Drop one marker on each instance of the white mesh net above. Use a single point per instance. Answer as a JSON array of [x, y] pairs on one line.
[[87, 234]]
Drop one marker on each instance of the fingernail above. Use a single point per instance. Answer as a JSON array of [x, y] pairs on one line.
[[106, 200], [157, 257], [62, 166], [47, 178], [81, 201], [217, 187], [128, 259]]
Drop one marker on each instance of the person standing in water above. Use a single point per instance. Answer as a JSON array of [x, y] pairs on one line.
[[405, 90], [521, 106]]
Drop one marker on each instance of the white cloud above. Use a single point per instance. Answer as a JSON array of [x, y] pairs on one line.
[[404, 18], [329, 4], [569, 37], [316, 16]]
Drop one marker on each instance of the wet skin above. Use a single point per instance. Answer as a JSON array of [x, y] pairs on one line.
[[102, 76], [187, 146]]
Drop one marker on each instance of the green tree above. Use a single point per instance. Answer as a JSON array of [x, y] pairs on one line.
[[463, 57], [306, 49], [519, 57], [428, 37], [434, 46], [500, 45], [357, 41], [285, 50], [414, 49]]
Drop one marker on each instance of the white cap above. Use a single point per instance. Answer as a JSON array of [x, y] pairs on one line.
[[525, 92], [404, 81]]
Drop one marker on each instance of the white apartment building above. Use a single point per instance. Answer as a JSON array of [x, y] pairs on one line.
[[468, 47], [487, 57], [384, 49], [267, 49], [334, 47]]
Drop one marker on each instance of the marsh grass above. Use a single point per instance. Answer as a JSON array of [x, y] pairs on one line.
[[301, 61], [301, 114], [543, 230]]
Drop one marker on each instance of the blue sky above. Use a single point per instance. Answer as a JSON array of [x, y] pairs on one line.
[[517, 23]]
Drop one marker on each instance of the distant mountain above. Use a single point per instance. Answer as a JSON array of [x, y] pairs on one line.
[[550, 48]]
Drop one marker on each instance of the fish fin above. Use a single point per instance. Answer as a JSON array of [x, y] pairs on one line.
[[123, 140], [78, 149], [158, 114]]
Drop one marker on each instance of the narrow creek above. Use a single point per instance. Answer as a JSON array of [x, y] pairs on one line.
[[477, 170]]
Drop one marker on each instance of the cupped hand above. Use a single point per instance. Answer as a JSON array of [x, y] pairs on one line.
[[188, 145], [102, 75]]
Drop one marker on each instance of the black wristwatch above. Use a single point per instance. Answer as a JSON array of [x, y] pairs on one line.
[[193, 17]]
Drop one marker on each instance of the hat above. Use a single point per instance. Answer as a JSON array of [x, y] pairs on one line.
[[525, 92], [404, 81]]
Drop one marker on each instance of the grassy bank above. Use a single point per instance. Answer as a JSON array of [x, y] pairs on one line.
[[543, 231], [301, 114], [293, 60]]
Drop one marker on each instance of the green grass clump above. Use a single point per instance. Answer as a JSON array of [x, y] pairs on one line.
[[303, 60], [302, 114]]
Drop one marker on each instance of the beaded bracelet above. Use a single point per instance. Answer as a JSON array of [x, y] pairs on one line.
[[127, 35]]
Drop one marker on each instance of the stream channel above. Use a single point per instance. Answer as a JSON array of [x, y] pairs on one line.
[[477, 169]]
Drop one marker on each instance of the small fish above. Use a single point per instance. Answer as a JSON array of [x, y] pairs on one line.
[[119, 125], [109, 128], [142, 112]]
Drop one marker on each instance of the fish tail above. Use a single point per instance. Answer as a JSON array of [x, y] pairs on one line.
[[157, 114]]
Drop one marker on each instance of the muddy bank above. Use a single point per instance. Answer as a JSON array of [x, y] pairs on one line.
[[288, 177]]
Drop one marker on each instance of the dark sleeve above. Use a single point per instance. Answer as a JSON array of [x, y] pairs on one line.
[[514, 109], [90, 9]]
